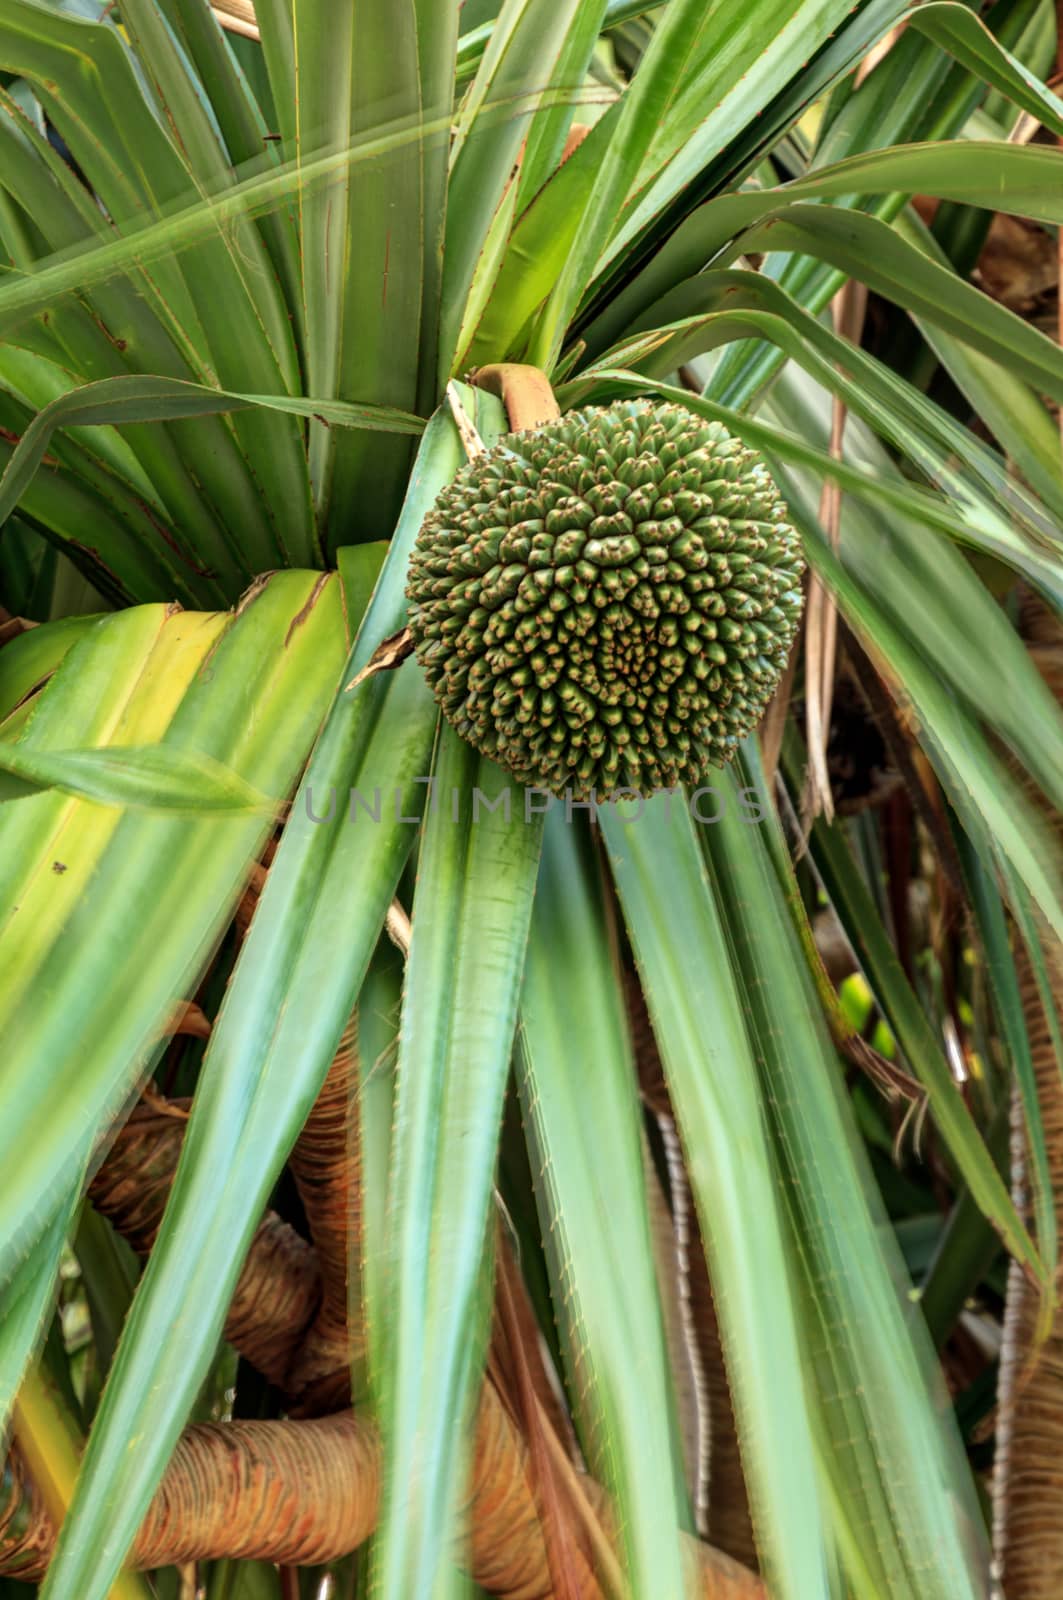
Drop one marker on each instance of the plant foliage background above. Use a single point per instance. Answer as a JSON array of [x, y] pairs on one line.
[[247, 272]]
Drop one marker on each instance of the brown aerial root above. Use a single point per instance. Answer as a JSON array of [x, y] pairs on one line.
[[1028, 1473], [279, 1288], [1028, 1476], [326, 1168], [132, 1185], [306, 1491], [300, 1493]]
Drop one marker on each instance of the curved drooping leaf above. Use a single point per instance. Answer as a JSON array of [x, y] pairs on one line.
[[1015, 414], [968, 171], [987, 58], [913, 93], [156, 777], [962, 171], [718, 307], [872, 253], [925, 657], [114, 401]]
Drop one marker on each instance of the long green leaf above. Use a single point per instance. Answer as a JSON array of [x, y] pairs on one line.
[[997, 175], [961, 171], [529, 40], [987, 905], [966, 37], [226, 297], [856, 910], [577, 1084], [913, 93], [1015, 414], [244, 121], [370, 239], [707, 70], [122, 327], [681, 948], [874, 254], [475, 882], [932, 669], [379, 1011], [904, 1498], [28, 1300]]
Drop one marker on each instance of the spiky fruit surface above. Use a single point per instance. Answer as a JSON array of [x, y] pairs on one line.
[[607, 602]]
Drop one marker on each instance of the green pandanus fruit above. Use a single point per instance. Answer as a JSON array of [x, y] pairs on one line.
[[607, 602]]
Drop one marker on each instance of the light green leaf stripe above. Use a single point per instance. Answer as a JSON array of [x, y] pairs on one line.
[[28, 661]]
